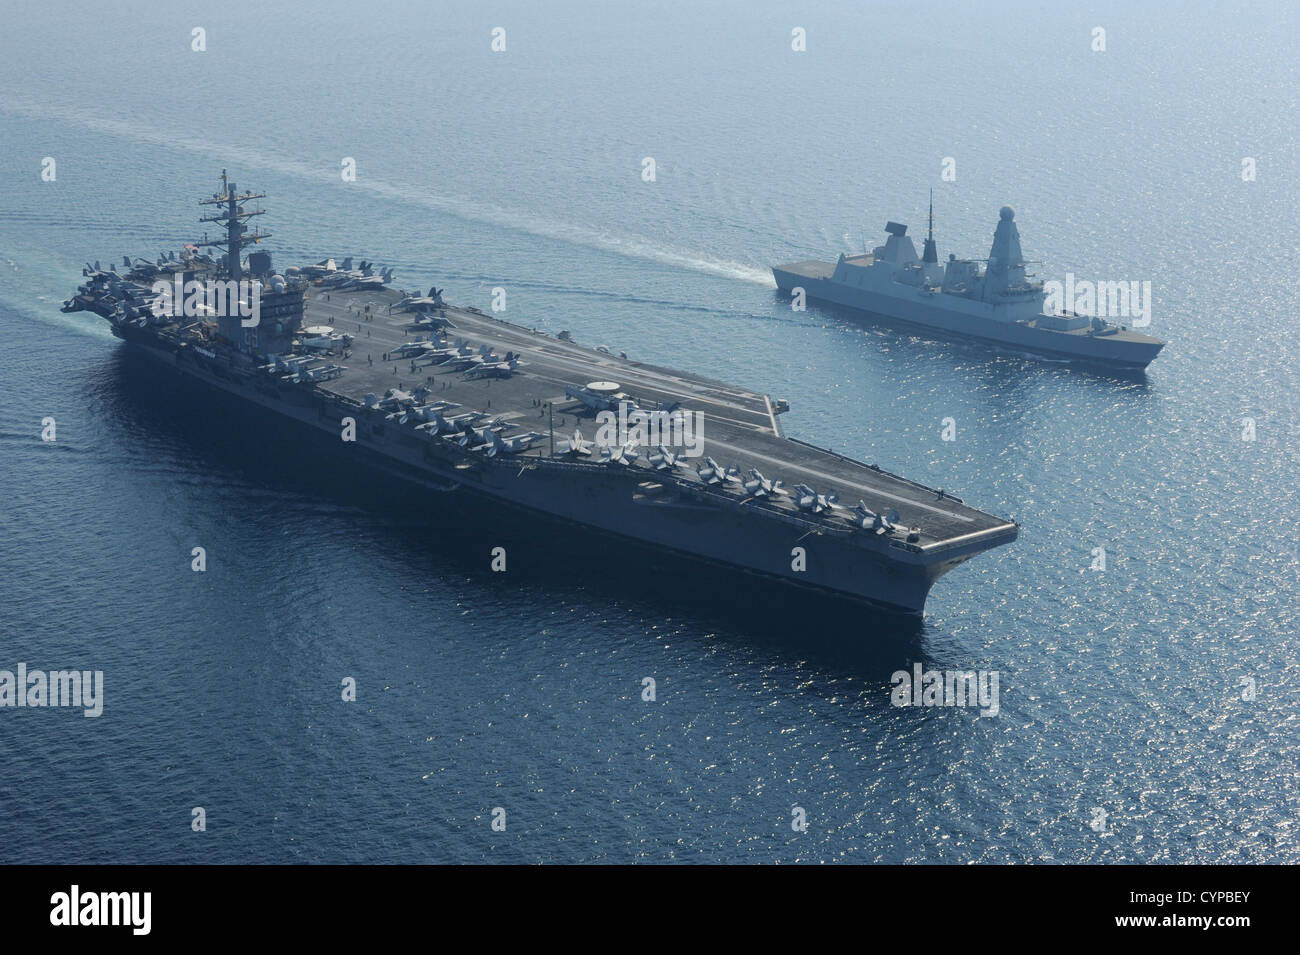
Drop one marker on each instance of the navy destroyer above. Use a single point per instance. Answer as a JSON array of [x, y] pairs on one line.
[[998, 303], [459, 401]]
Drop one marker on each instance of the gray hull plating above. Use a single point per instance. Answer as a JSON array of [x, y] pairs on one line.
[[889, 578], [993, 300], [917, 308]]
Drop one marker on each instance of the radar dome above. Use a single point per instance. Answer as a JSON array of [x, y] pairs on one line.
[[1007, 213]]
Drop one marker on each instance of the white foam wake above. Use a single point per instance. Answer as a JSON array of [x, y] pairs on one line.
[[231, 154]]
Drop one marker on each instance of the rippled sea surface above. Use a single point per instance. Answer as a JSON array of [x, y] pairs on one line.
[[1128, 730]]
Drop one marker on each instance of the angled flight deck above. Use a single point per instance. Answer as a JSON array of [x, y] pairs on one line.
[[741, 428]]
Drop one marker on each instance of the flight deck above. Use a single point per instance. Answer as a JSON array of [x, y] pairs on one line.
[[740, 428]]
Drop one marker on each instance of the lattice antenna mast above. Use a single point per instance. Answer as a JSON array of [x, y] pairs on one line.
[[233, 216]]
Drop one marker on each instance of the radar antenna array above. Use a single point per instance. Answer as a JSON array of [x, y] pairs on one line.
[[233, 216]]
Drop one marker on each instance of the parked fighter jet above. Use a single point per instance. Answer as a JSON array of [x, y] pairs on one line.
[[142, 271], [665, 460], [424, 412], [472, 438], [414, 349], [289, 363], [464, 358], [413, 303], [577, 444], [868, 519], [430, 320], [495, 369], [625, 455], [758, 486], [712, 473], [366, 280], [512, 445], [319, 270], [345, 274], [395, 398], [809, 500], [436, 422], [324, 373], [434, 356]]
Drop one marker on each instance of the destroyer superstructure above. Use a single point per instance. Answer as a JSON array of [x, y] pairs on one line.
[[458, 400], [998, 303]]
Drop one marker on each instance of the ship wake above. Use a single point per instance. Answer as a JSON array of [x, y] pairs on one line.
[[630, 246]]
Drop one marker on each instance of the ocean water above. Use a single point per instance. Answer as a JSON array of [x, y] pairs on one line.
[[1148, 712]]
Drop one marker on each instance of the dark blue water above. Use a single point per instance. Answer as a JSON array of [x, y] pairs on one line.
[[1121, 690]]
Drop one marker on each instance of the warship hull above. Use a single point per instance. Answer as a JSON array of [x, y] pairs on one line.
[[488, 418], [624, 504], [922, 310]]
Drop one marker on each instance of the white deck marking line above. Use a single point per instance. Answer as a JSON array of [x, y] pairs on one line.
[[771, 416]]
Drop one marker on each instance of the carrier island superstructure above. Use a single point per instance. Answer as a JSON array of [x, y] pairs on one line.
[[457, 400], [994, 301]]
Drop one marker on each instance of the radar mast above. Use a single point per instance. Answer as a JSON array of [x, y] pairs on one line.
[[232, 216], [931, 251]]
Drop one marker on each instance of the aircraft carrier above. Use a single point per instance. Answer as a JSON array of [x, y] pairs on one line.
[[458, 401], [993, 301]]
